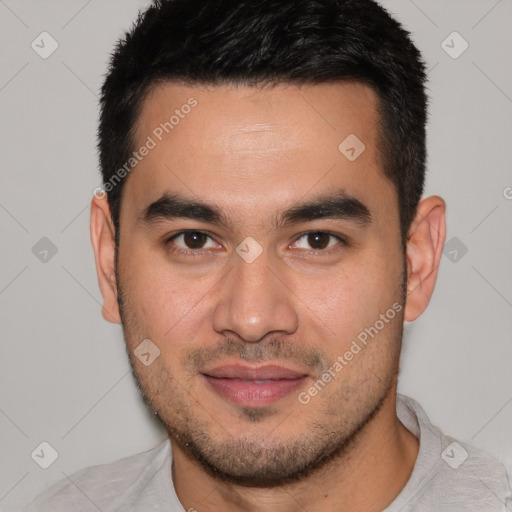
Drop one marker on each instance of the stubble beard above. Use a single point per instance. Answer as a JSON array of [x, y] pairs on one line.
[[253, 460]]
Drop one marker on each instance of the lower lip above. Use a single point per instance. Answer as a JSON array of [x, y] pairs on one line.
[[251, 393]]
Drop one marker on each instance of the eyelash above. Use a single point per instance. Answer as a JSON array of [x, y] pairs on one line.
[[197, 252]]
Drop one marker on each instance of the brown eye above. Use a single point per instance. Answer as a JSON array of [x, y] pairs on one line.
[[190, 242], [194, 239], [318, 240]]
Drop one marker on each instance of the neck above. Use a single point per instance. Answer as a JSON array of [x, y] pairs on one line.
[[367, 478]]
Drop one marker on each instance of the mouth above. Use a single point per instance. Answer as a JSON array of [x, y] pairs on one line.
[[252, 386]]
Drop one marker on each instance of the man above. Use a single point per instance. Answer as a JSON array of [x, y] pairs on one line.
[[262, 240]]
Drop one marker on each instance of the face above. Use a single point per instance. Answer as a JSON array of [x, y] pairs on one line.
[[263, 261]]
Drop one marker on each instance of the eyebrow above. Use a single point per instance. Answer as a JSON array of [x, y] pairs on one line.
[[338, 205]]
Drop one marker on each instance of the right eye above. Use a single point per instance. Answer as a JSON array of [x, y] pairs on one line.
[[190, 242]]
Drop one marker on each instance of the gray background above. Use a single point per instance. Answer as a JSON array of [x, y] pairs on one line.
[[65, 376]]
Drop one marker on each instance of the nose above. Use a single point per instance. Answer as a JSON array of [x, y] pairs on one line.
[[254, 301]]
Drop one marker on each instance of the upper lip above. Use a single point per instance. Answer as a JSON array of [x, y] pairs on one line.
[[244, 372]]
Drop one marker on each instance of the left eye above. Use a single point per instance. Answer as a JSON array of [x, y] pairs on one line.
[[317, 240]]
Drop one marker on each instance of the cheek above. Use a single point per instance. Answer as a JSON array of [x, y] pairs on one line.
[[344, 302], [161, 304], [167, 302]]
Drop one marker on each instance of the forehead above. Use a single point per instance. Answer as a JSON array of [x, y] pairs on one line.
[[277, 118], [239, 145]]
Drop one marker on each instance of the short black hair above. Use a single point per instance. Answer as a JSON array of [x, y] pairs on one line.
[[266, 42]]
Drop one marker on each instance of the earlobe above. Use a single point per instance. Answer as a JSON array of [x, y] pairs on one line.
[[103, 242], [423, 256]]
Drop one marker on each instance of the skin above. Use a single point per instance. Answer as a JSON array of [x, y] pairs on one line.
[[254, 153]]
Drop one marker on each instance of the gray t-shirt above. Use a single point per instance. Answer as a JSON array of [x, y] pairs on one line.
[[448, 476]]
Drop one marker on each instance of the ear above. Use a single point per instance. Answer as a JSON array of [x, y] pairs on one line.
[[424, 250], [103, 242]]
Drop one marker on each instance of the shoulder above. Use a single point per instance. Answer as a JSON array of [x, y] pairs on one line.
[[450, 474], [101, 486]]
